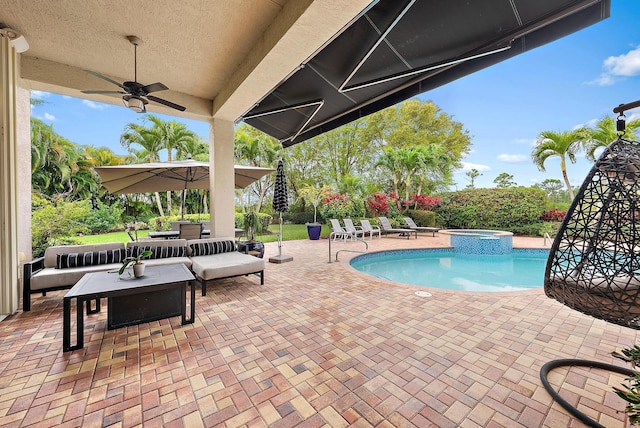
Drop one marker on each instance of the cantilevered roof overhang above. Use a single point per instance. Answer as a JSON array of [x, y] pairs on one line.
[[397, 49]]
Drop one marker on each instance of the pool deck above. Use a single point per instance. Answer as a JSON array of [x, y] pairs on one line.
[[319, 344]]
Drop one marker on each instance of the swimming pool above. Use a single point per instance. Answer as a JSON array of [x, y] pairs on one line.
[[521, 269]]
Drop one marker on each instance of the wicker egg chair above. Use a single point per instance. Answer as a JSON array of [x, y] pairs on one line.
[[594, 263]]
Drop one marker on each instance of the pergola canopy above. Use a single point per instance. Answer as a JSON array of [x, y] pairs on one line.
[[397, 49]]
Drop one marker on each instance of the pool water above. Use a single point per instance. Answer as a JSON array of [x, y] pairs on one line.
[[443, 268]]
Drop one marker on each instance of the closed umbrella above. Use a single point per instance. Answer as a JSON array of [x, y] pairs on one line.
[[280, 205]]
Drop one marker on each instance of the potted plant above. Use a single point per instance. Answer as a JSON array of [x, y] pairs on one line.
[[136, 263], [314, 195], [251, 226]]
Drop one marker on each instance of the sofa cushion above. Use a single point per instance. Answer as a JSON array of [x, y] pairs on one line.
[[224, 265], [210, 247], [157, 252], [51, 253], [93, 258], [52, 278]]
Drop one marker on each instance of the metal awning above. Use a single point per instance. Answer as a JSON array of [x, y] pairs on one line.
[[397, 49]]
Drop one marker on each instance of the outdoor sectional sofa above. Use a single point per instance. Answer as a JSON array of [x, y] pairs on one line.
[[63, 266]]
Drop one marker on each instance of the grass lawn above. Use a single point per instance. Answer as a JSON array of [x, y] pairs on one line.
[[289, 232]]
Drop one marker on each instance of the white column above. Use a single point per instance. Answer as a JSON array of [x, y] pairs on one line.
[[9, 258], [221, 178]]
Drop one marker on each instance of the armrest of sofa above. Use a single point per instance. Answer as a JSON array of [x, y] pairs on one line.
[[28, 270]]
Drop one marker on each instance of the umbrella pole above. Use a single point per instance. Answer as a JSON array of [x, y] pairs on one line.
[[280, 238]]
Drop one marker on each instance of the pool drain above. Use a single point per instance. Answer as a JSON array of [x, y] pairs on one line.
[[423, 294]]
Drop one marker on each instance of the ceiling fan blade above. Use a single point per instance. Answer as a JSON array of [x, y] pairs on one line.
[[154, 87], [103, 92], [100, 76], [166, 103]]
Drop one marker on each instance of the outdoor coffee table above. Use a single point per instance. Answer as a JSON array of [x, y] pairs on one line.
[[160, 293]]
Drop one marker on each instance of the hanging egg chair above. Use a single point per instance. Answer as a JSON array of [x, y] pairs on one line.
[[594, 263]]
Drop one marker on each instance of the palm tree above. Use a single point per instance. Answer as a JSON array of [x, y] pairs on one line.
[[135, 134], [473, 174], [172, 135], [256, 149], [559, 144], [390, 162], [605, 132]]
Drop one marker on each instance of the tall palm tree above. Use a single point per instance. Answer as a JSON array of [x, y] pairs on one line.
[[390, 162], [255, 148], [605, 132], [559, 144], [172, 135], [137, 135]]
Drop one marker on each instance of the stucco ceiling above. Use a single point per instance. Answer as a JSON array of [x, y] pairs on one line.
[[216, 56]]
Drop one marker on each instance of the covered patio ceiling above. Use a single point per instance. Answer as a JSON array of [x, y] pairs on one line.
[[398, 49], [216, 56]]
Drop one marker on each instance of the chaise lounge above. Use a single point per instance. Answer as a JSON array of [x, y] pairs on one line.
[[413, 226], [387, 228]]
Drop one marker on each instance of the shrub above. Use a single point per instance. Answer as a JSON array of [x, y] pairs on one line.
[[299, 218], [105, 218], [423, 217], [514, 209], [553, 214], [56, 224], [377, 204], [340, 206], [424, 202]]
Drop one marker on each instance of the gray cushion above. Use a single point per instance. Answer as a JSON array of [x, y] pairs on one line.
[[225, 264]]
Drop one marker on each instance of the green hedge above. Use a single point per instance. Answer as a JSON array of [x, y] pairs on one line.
[[423, 218], [514, 209]]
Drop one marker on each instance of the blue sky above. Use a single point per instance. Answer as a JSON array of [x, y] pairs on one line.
[[574, 81]]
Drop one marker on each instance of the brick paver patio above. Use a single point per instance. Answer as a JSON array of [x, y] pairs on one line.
[[318, 345]]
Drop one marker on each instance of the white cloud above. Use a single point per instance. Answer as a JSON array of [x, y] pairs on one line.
[[590, 123], [49, 117], [468, 166], [512, 158], [39, 94], [94, 105], [625, 65]]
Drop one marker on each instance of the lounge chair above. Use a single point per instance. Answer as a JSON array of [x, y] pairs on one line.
[[387, 228], [352, 228], [338, 231], [413, 226], [367, 228]]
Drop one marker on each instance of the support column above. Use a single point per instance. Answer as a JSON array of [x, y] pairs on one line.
[[9, 259], [221, 178]]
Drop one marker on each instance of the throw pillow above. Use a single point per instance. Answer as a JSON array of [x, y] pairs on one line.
[[212, 247], [157, 252], [103, 257]]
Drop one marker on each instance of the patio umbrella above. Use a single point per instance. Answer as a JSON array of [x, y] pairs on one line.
[[166, 176], [280, 205]]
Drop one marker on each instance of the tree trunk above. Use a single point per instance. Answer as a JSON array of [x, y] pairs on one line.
[[563, 165], [159, 204]]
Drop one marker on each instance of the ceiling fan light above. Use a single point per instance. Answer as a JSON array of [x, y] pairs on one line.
[[135, 104]]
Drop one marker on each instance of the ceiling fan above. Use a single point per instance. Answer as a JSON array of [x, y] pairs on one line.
[[136, 95]]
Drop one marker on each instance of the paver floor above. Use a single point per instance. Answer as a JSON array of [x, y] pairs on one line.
[[318, 345]]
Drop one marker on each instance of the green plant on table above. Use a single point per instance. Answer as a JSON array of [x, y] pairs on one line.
[[131, 260]]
